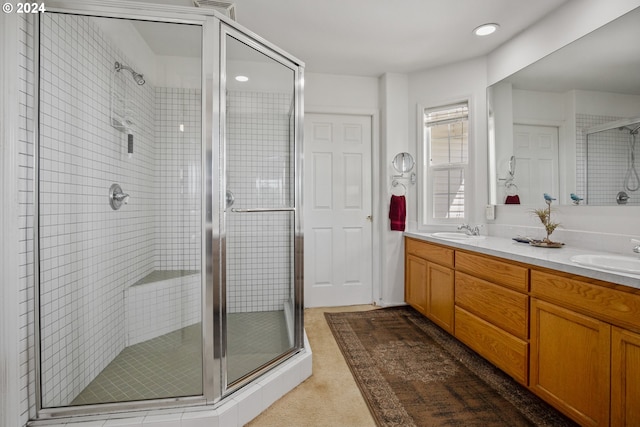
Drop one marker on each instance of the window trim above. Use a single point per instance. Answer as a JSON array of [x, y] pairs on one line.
[[424, 170]]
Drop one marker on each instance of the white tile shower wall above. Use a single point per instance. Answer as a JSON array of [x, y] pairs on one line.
[[25, 136], [260, 174], [157, 308], [178, 130], [89, 252], [607, 162]]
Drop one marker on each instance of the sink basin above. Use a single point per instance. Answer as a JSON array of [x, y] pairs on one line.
[[619, 263], [456, 236]]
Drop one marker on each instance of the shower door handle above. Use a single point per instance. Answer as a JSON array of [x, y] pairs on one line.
[[262, 210], [230, 198]]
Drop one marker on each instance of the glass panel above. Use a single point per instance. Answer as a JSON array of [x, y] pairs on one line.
[[447, 133], [448, 143], [120, 287], [259, 175], [448, 193]]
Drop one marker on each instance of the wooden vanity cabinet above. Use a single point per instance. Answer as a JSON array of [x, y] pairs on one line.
[[572, 340], [429, 281], [585, 348], [492, 311]]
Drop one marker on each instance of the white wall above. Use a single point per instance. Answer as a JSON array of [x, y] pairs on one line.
[[394, 93], [341, 93], [452, 83]]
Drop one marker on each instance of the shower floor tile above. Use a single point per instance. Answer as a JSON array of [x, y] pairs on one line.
[[171, 365], [254, 339], [166, 366]]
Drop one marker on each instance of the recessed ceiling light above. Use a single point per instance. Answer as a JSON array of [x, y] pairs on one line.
[[486, 29], [242, 78]]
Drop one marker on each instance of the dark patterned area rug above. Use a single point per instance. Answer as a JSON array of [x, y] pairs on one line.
[[412, 373]]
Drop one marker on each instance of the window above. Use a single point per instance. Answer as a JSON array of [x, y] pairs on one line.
[[445, 160]]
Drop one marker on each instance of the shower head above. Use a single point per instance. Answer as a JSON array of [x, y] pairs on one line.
[[138, 78]]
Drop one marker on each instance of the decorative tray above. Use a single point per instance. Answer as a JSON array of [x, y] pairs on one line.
[[543, 244]]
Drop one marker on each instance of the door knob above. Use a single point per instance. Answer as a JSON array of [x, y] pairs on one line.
[[369, 218]]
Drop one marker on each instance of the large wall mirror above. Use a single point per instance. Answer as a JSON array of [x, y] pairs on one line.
[[567, 125]]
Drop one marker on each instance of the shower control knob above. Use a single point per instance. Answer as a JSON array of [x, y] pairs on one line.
[[117, 197], [622, 198]]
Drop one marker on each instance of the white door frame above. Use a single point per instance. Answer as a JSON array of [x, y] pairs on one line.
[[376, 208]]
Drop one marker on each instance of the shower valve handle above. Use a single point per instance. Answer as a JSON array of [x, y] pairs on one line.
[[122, 197], [117, 197]]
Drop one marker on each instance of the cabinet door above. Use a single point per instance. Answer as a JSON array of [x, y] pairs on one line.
[[440, 296], [415, 290], [625, 378], [570, 360]]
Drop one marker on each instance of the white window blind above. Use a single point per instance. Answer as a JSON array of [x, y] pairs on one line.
[[446, 142]]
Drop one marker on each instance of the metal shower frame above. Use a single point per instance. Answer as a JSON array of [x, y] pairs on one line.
[[214, 26]]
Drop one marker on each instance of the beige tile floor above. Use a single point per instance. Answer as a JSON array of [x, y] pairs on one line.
[[171, 365]]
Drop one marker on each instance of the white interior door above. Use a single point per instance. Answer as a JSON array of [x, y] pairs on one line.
[[536, 152], [337, 210]]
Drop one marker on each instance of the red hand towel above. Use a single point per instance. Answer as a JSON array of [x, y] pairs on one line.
[[397, 212], [512, 200]]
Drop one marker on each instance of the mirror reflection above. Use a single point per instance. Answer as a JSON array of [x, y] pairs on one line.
[[567, 122]]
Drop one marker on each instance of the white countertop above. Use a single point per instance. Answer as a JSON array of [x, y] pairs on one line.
[[552, 258]]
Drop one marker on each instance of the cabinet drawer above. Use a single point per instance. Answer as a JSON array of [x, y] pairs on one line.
[[611, 305], [504, 350], [431, 252], [489, 268], [505, 308]]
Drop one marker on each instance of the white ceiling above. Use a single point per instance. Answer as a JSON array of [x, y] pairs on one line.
[[372, 37]]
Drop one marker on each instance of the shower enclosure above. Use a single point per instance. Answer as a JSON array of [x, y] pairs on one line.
[[167, 245], [610, 172]]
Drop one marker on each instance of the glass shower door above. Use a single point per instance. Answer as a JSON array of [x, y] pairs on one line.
[[260, 215]]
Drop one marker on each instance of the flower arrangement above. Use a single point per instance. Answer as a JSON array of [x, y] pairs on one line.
[[544, 215]]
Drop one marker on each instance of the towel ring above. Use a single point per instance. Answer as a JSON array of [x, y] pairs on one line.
[[396, 184], [510, 188]]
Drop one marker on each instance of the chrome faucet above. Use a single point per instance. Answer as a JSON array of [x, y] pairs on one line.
[[470, 231], [636, 249]]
